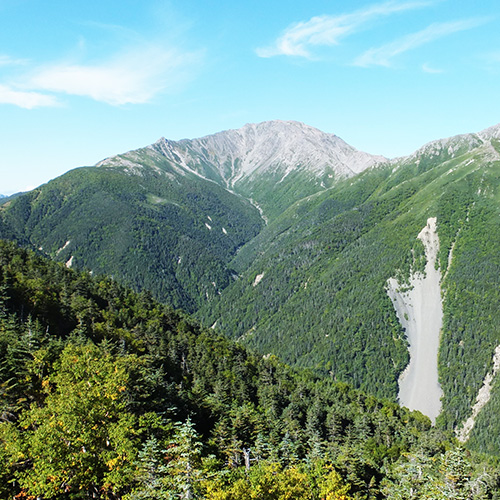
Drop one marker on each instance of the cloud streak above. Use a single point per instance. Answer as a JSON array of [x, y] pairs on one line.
[[131, 78], [25, 99], [135, 74], [298, 39], [382, 56], [8, 61]]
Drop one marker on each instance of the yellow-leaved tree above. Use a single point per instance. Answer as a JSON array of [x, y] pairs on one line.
[[81, 437]]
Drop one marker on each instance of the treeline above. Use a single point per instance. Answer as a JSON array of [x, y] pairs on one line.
[[105, 393]]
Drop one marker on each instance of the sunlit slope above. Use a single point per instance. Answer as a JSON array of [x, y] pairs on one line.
[[320, 298], [98, 378], [170, 216]]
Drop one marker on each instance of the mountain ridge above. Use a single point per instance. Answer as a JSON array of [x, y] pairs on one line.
[[453, 145], [310, 285], [290, 144], [101, 379], [274, 163], [261, 145]]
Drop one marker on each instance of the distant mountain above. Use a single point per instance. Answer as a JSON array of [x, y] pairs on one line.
[[284, 238], [5, 198], [169, 217], [274, 163]]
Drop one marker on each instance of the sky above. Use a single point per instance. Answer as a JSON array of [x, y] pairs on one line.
[[84, 80]]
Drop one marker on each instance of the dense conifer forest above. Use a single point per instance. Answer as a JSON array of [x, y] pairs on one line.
[[321, 301], [105, 393], [171, 238], [112, 393]]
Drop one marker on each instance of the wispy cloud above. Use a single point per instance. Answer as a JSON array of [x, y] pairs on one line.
[[129, 69], [25, 99], [130, 78], [382, 56], [9, 61], [299, 38], [426, 68]]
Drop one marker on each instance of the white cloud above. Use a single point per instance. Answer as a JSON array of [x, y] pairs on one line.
[[298, 38], [130, 78], [24, 99], [382, 56]]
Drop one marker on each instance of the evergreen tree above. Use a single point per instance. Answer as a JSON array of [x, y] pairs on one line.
[[183, 469]]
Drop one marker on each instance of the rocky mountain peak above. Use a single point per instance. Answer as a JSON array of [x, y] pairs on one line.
[[490, 132], [272, 146]]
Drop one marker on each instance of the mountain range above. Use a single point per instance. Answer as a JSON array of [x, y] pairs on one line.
[[284, 237]]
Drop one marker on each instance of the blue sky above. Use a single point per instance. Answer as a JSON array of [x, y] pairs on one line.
[[80, 81]]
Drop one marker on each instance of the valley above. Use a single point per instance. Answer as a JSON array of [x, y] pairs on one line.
[[284, 238]]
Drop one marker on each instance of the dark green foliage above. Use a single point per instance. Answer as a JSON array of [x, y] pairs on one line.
[[173, 236], [274, 196], [99, 384], [311, 285], [322, 301], [471, 323], [323, 266]]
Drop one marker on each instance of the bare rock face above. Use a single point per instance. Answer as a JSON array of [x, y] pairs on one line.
[[256, 149], [490, 133]]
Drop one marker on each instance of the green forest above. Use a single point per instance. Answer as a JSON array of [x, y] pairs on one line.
[[172, 238], [322, 303], [166, 337], [106, 393]]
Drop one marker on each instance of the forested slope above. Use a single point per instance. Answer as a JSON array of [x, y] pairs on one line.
[[169, 217], [170, 234], [320, 298], [310, 286], [105, 393]]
